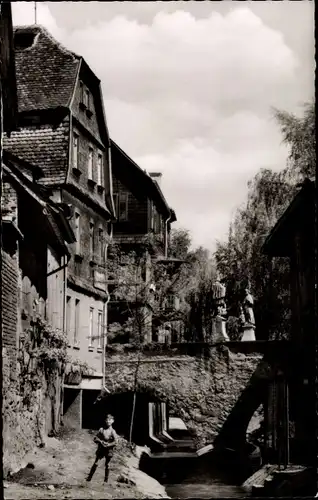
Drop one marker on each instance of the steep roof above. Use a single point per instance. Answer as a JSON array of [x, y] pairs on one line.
[[43, 147], [56, 226], [298, 214], [121, 161], [46, 71]]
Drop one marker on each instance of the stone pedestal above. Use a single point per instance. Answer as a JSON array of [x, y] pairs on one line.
[[248, 333], [218, 330]]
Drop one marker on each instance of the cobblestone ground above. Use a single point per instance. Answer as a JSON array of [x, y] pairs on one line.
[[59, 470]]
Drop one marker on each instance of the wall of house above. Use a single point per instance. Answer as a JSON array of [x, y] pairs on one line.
[[80, 177], [55, 290], [137, 208], [88, 121], [82, 270], [9, 297], [30, 407], [81, 347]]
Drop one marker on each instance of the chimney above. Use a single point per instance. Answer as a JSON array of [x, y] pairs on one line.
[[156, 176]]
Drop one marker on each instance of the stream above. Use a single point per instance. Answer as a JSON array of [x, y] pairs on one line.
[[202, 479]]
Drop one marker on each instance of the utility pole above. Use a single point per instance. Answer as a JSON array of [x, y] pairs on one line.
[[35, 17]]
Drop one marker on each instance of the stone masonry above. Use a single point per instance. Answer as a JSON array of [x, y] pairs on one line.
[[200, 391]]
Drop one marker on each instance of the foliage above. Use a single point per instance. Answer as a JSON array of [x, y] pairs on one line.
[[300, 135], [46, 344], [240, 259], [180, 243], [142, 284]]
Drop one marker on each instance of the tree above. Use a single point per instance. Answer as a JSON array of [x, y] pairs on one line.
[[300, 135], [240, 258]]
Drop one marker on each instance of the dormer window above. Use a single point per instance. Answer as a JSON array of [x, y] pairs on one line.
[[86, 99]]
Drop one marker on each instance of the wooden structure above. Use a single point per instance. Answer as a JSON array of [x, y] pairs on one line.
[[143, 226], [290, 413]]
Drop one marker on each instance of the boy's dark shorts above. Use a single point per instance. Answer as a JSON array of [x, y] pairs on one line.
[[104, 452]]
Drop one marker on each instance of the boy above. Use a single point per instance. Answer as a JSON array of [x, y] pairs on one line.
[[106, 438]]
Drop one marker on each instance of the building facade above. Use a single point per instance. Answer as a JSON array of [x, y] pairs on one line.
[[143, 226], [34, 258], [62, 128]]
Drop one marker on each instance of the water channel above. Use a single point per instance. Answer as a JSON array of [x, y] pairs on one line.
[[203, 478]]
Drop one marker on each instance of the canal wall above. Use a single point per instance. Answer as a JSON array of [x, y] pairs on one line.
[[200, 389]]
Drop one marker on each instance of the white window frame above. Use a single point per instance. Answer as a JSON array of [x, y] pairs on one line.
[[77, 217], [75, 150], [91, 327], [100, 327], [68, 318], [77, 321], [90, 164], [91, 238], [100, 170]]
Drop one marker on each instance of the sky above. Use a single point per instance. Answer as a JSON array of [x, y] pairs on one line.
[[189, 90]]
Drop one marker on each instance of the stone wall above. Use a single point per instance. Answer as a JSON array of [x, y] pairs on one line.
[[28, 405], [30, 409], [202, 391]]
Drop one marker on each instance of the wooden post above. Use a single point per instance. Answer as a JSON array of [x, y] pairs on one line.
[[286, 418]]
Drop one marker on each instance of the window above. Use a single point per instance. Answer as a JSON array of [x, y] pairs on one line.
[[68, 315], [91, 325], [90, 164], [100, 328], [121, 206], [100, 170], [77, 233], [75, 150], [101, 245], [170, 301], [86, 98], [77, 321], [91, 239], [122, 211]]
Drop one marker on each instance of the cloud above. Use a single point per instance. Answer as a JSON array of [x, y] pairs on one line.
[[23, 13], [191, 97]]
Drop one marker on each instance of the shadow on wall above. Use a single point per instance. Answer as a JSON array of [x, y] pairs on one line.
[[233, 432]]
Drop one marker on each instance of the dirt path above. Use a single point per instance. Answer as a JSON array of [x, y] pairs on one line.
[[60, 469]]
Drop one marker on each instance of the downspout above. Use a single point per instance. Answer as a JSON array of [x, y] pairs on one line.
[[106, 310], [166, 235], [65, 264]]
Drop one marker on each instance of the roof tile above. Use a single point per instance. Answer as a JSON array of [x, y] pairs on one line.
[[46, 71], [43, 147]]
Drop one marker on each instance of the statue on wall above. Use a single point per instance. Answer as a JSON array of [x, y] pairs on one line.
[[219, 311], [247, 316], [248, 304]]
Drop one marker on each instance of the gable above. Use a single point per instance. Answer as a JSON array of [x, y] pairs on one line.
[[84, 106]]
